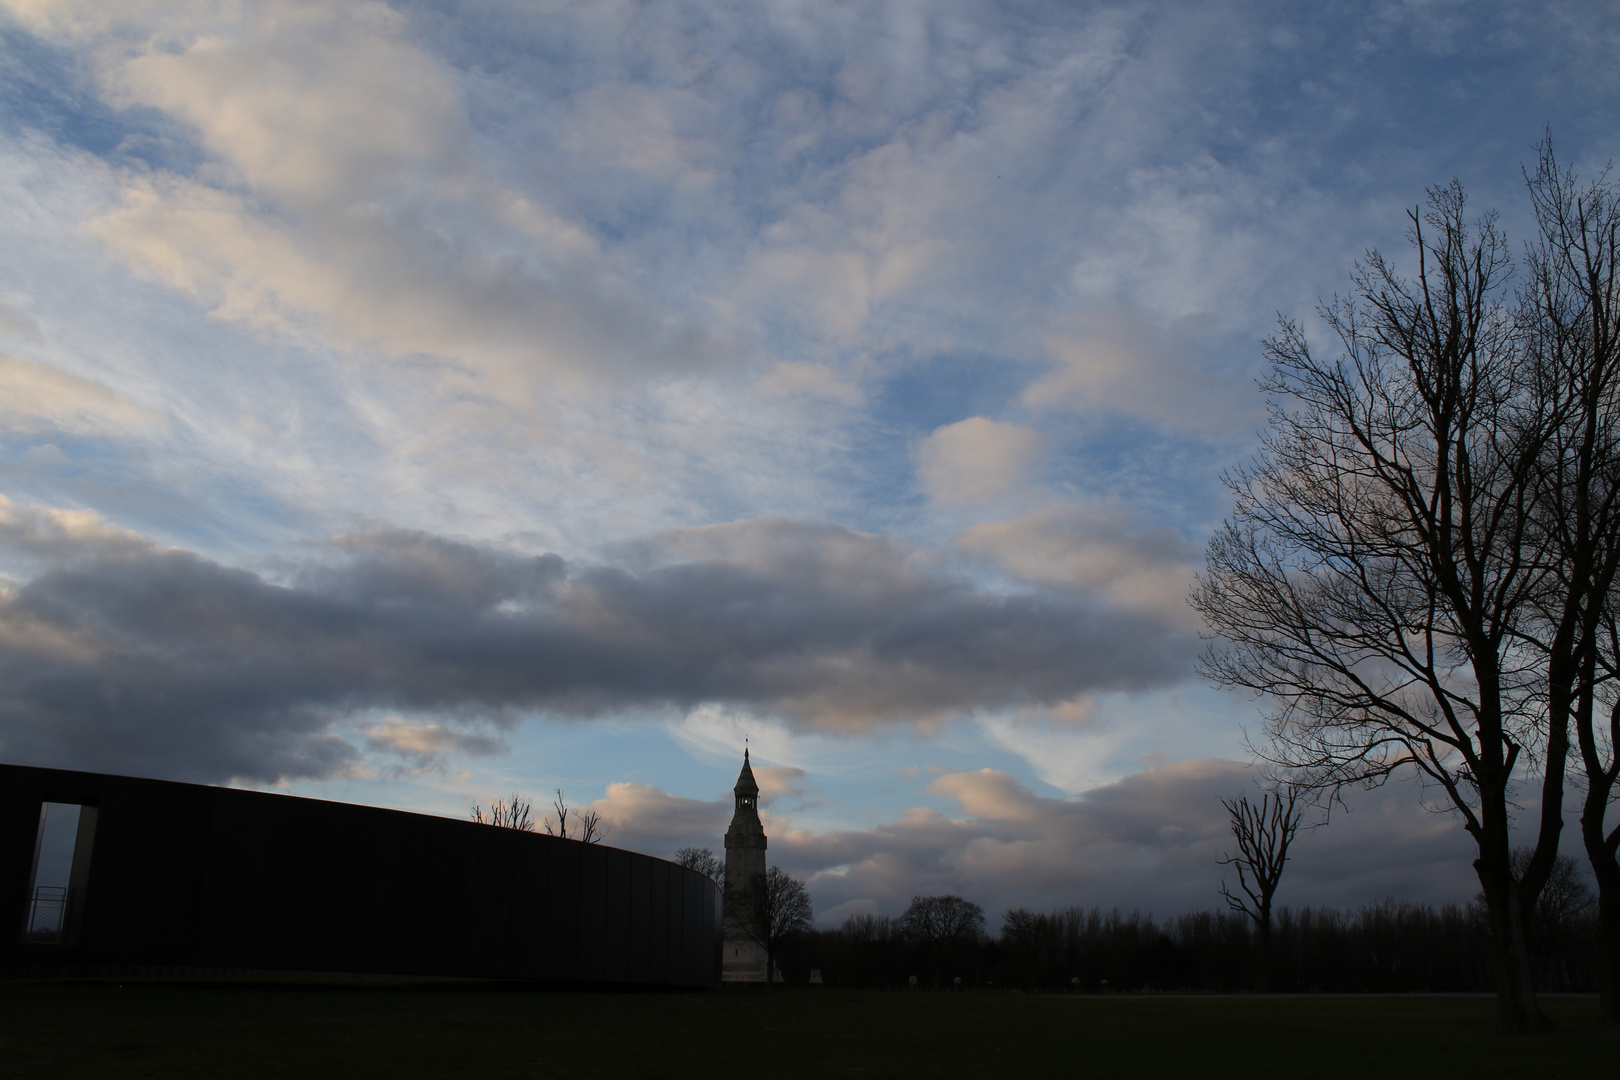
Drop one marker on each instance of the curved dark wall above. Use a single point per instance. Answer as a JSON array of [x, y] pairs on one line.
[[184, 876]]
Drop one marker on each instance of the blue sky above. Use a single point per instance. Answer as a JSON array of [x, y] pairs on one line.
[[411, 404]]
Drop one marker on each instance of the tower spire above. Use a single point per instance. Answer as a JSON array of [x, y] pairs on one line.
[[745, 871], [747, 791]]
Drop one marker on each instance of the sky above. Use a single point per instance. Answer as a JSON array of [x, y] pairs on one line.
[[414, 404]]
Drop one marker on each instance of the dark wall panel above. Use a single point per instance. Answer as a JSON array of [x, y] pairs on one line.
[[186, 876], [561, 929], [526, 937], [659, 968], [593, 910], [616, 911], [638, 892]]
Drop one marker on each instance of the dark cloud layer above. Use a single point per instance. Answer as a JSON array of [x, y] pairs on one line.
[[118, 655]]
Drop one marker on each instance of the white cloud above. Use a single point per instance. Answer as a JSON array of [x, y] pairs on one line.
[[1071, 746], [1094, 549], [644, 817], [1114, 362], [712, 733], [37, 397], [311, 103], [344, 200], [977, 461]]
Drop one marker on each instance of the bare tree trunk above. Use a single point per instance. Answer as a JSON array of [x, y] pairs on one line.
[[1600, 852], [1263, 834], [1516, 1004], [1262, 970], [1601, 855]]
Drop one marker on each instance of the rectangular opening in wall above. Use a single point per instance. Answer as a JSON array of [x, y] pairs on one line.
[[57, 887]]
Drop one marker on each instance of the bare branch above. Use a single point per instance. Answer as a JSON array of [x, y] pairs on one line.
[[512, 813]]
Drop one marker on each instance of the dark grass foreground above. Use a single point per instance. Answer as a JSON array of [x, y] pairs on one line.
[[59, 1029]]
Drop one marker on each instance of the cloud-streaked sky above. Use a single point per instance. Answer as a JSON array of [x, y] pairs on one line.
[[413, 403]]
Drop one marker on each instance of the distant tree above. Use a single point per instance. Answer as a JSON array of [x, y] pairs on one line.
[[1263, 834], [1034, 943], [1389, 947], [1020, 924], [1564, 898], [512, 813], [939, 925], [868, 927], [704, 861], [775, 907]]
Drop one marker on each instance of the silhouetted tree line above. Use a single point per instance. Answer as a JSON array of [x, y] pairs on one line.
[[1387, 947]]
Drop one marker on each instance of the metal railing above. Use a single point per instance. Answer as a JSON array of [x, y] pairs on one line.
[[47, 913]]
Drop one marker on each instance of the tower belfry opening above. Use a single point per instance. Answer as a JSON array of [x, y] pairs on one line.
[[744, 957]]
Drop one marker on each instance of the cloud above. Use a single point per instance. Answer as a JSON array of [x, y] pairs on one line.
[[1151, 840], [1076, 745], [1152, 837], [977, 461], [341, 199], [644, 817], [779, 781], [36, 397], [15, 321], [57, 536], [1097, 550], [159, 661], [308, 103], [810, 381], [1113, 361], [425, 744]]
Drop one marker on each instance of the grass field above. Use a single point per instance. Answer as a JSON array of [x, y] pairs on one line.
[[103, 1030]]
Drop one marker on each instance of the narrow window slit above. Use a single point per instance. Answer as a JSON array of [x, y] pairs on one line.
[[58, 886]]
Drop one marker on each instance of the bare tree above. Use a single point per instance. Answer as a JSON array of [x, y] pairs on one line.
[[556, 823], [589, 827], [936, 924], [1263, 834], [704, 861], [1382, 564], [1571, 310], [774, 907], [513, 813]]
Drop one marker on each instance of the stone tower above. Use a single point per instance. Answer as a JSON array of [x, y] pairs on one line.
[[744, 957]]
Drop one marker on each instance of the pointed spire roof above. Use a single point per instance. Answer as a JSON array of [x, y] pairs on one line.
[[745, 779]]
